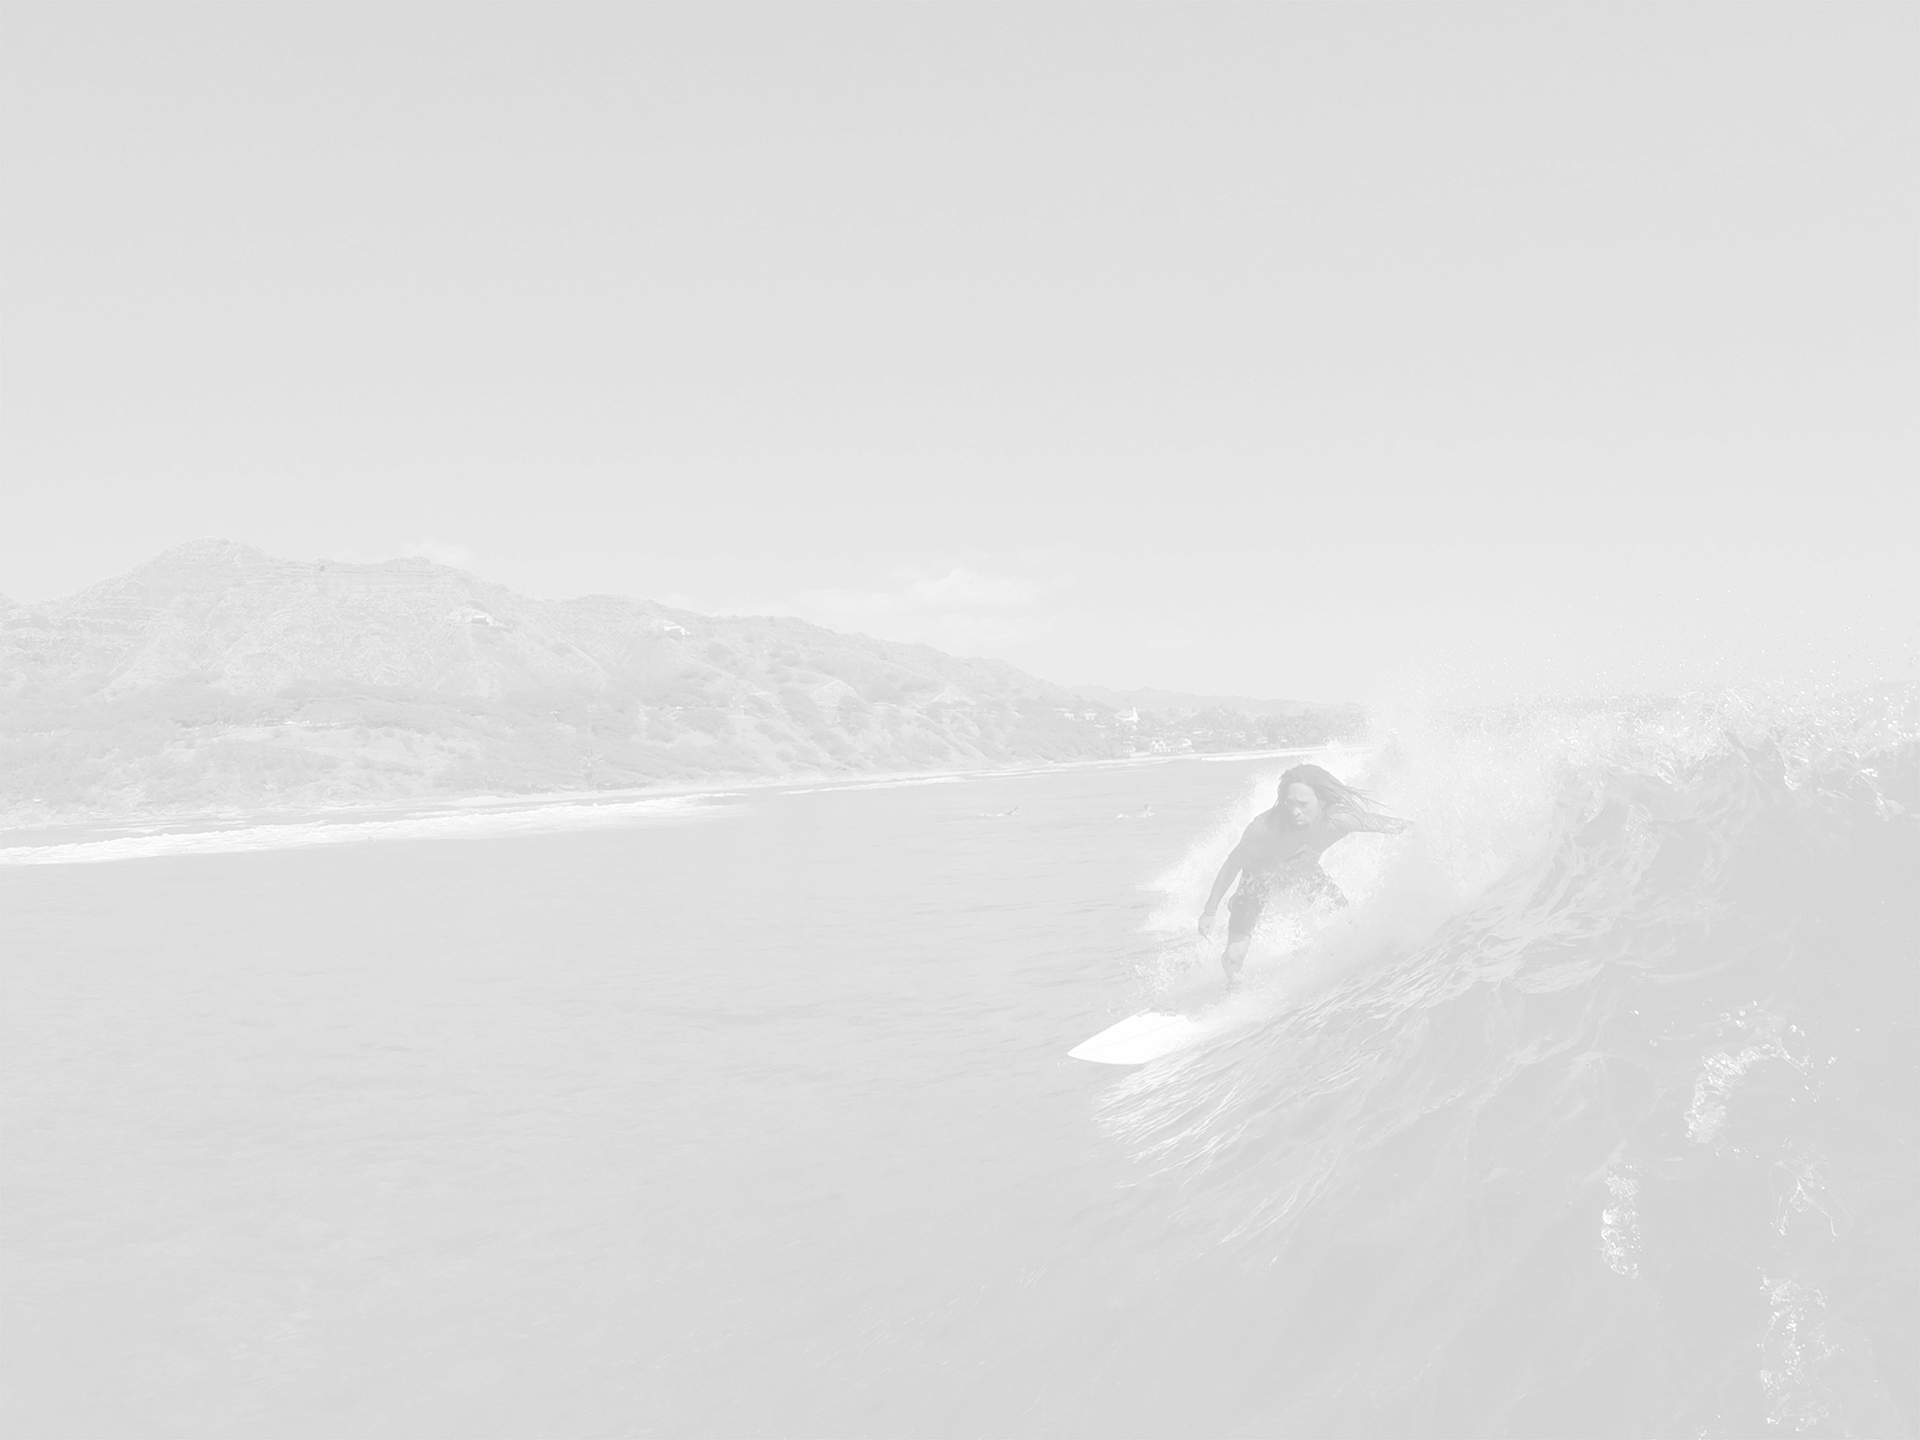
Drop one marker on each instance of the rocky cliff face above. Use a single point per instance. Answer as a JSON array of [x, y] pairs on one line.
[[256, 623]]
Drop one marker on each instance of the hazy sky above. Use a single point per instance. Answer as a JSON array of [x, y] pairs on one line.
[[1324, 352]]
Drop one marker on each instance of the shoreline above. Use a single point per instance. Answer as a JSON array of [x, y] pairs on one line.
[[55, 835]]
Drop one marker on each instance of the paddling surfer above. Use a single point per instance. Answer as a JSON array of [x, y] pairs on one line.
[[1279, 855]]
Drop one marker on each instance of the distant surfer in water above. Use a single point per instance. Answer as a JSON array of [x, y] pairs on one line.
[[1279, 855]]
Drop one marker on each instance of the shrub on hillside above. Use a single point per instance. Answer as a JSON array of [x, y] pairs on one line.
[[801, 709], [490, 774], [678, 694], [60, 774], [853, 715], [711, 722], [1043, 734], [275, 767], [920, 747]]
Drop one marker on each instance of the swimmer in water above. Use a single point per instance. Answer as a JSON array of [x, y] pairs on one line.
[[1279, 855]]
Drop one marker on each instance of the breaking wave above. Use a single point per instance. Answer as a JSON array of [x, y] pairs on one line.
[[1595, 1112]]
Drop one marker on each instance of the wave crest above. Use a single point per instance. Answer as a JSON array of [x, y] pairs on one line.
[[1617, 1050]]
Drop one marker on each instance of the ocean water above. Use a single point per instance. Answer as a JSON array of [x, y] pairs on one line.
[[1594, 1113]]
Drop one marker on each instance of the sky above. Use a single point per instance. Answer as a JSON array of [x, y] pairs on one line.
[[1319, 352]]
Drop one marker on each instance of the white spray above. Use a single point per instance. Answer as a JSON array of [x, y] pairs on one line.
[[1483, 795]]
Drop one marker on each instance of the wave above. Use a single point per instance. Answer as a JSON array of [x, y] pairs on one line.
[[1595, 1113], [439, 825]]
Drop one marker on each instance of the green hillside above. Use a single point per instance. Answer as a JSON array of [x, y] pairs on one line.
[[219, 678], [191, 744]]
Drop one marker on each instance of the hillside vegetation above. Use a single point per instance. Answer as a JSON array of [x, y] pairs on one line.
[[191, 744], [216, 677]]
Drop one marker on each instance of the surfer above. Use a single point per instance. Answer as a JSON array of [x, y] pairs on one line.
[[1279, 855]]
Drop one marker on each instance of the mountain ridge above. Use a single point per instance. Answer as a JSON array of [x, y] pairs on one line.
[[216, 677], [264, 621]]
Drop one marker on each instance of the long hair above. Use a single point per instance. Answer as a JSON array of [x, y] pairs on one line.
[[1331, 792]]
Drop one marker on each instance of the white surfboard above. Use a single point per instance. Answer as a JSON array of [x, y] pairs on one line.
[[1138, 1039]]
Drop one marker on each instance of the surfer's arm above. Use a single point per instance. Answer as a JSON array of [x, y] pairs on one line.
[[1223, 881]]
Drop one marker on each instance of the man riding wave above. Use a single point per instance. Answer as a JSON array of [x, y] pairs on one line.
[[1279, 855]]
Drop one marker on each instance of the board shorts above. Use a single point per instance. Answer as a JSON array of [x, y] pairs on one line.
[[1302, 886]]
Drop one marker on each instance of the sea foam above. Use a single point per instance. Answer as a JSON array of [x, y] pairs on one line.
[[435, 825]]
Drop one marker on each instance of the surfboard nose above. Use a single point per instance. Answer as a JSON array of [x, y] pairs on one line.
[[1137, 1039]]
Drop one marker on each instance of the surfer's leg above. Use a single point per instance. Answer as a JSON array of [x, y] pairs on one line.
[[1242, 912], [1233, 957]]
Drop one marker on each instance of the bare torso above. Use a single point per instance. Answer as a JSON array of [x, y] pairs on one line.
[[1272, 845]]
